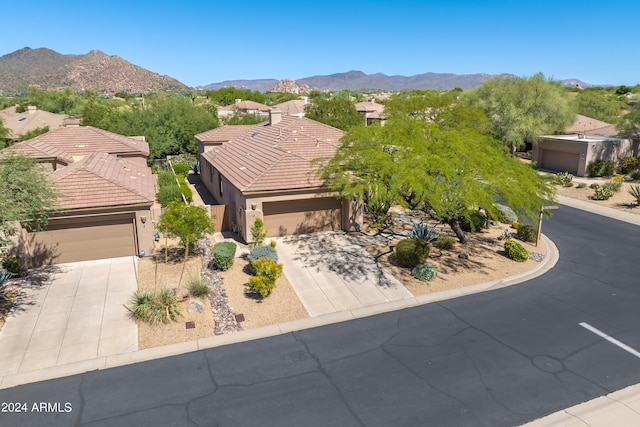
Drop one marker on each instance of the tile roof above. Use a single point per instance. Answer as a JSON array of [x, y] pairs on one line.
[[369, 107], [223, 133], [588, 126], [267, 157], [292, 108], [21, 123], [81, 141], [103, 180]]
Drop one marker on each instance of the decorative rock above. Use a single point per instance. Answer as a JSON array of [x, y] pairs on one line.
[[195, 307], [463, 255], [182, 293]]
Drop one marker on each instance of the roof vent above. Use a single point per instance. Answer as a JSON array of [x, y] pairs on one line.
[[253, 135], [242, 168]]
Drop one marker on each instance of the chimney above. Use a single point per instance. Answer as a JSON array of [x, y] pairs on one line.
[[31, 109], [238, 101], [305, 100], [275, 116]]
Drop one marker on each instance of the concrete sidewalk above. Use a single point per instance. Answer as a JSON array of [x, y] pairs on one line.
[[69, 313]]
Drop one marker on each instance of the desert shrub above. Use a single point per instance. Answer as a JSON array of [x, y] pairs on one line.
[[507, 215], [602, 193], [262, 252], [445, 242], [262, 285], [627, 164], [223, 254], [582, 185], [566, 179], [258, 231], [476, 221], [424, 232], [594, 186], [378, 215], [198, 287], [168, 194], [424, 272], [156, 307], [600, 168], [635, 175], [195, 166], [12, 265], [614, 185], [267, 267], [515, 225], [4, 276], [527, 233], [186, 191], [181, 169], [166, 178], [617, 178], [515, 251], [411, 252], [505, 235], [634, 190], [272, 244]]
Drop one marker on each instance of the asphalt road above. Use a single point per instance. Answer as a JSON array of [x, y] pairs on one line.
[[500, 358]]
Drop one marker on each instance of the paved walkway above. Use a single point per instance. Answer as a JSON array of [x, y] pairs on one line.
[[331, 274], [69, 313]]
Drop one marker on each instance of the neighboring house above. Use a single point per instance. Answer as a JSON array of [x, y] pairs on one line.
[[244, 107], [21, 123], [294, 107], [371, 112], [107, 192], [266, 171], [588, 140]]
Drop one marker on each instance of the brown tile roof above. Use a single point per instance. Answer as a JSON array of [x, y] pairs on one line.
[[223, 133], [252, 105], [292, 108], [588, 126], [101, 180], [21, 123], [83, 140], [268, 157]]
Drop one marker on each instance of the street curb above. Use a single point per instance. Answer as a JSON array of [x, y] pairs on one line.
[[106, 362]]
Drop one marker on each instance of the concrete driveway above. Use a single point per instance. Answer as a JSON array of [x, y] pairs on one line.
[[330, 274], [68, 313]]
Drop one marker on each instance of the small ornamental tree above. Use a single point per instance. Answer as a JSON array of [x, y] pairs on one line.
[[258, 232], [189, 223]]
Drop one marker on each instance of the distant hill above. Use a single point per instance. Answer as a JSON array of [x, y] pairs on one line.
[[357, 80], [95, 70]]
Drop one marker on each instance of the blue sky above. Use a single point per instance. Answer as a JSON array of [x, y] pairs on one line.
[[211, 41]]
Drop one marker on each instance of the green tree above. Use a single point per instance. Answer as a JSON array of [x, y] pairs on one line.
[[598, 105], [629, 124], [339, 113], [438, 155], [28, 197], [5, 135], [522, 109], [189, 223]]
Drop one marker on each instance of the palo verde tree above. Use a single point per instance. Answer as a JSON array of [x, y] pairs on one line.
[[28, 197], [438, 155], [522, 109], [337, 111], [189, 223]]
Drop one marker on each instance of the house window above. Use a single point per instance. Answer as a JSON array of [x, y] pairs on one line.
[[210, 173], [220, 183]]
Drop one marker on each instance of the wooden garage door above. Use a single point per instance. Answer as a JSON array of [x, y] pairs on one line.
[[302, 216], [560, 161], [86, 238]]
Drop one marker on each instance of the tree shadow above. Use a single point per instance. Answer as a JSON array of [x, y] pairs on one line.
[[25, 289]]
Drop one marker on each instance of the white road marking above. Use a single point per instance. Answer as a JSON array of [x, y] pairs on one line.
[[612, 340]]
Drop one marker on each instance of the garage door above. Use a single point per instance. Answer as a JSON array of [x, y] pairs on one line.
[[302, 216], [560, 161], [86, 238]]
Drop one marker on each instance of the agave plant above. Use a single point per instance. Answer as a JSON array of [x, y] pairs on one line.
[[424, 232], [635, 193]]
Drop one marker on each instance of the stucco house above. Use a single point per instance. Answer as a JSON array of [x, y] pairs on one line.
[[371, 111], [587, 140], [29, 120], [107, 192], [244, 107], [295, 107], [267, 171]]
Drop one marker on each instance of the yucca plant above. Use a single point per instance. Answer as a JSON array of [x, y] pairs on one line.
[[635, 193], [4, 276]]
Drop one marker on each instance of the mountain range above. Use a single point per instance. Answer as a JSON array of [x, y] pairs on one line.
[[107, 74], [95, 70]]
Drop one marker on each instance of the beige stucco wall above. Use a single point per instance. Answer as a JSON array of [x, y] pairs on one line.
[[588, 148]]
